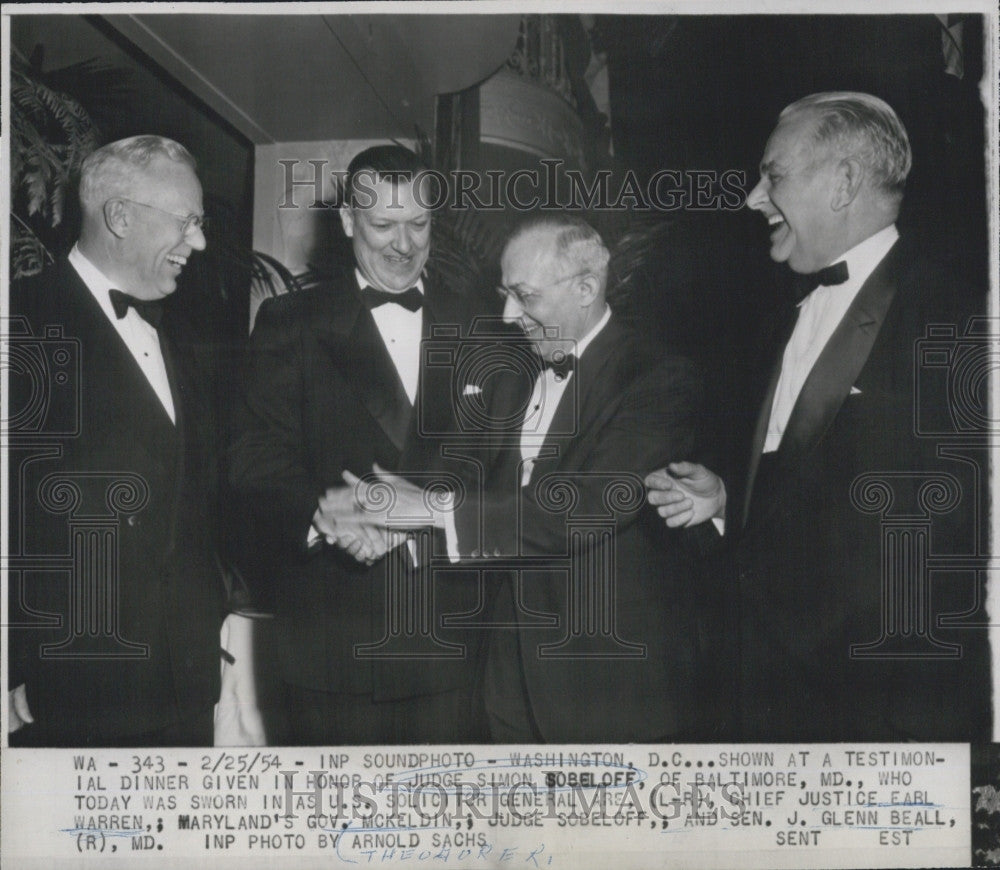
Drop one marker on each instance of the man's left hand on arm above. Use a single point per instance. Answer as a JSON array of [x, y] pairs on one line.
[[686, 494]]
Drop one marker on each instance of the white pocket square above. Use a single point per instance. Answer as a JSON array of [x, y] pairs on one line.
[[855, 391], [472, 390]]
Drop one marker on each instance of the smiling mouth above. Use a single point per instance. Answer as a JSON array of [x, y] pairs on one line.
[[177, 260], [776, 223]]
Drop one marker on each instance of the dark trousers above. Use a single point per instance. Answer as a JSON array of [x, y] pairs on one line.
[[508, 708], [505, 691], [317, 718]]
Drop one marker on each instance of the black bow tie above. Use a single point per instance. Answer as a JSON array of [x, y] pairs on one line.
[[563, 367], [828, 277], [411, 299], [150, 310]]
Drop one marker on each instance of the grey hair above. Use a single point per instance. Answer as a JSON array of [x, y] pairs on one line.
[[574, 240], [865, 127], [112, 169]]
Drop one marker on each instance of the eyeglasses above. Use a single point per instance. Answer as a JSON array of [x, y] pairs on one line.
[[190, 222], [520, 291]]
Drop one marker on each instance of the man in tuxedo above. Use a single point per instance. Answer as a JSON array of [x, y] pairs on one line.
[[335, 382], [593, 631], [118, 603], [841, 630]]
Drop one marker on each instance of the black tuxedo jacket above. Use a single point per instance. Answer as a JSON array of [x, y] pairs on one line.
[[321, 395], [110, 501], [606, 610], [814, 539]]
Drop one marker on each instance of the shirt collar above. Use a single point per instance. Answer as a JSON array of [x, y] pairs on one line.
[[97, 282], [865, 256]]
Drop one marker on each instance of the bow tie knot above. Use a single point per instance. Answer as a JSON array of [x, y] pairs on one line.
[[562, 364], [411, 299], [150, 310], [828, 277]]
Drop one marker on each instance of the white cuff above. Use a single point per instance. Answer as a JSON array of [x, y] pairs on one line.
[[450, 532]]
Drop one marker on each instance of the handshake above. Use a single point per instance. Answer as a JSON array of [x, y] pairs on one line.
[[367, 517]]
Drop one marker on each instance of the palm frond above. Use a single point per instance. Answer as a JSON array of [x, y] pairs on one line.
[[28, 255], [51, 134]]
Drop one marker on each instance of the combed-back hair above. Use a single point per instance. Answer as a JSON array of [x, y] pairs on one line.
[[575, 240], [863, 126]]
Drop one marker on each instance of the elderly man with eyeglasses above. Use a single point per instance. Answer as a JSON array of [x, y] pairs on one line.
[[115, 630], [595, 622]]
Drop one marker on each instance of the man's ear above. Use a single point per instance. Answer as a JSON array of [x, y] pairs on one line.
[[850, 174], [347, 220], [588, 286], [116, 218]]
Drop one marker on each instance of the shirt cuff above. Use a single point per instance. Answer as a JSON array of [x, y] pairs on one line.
[[450, 531], [720, 525]]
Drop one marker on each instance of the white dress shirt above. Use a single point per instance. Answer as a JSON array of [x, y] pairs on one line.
[[401, 331], [819, 315], [140, 338], [545, 399]]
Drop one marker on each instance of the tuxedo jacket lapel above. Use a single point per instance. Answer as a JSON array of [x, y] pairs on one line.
[[433, 411], [838, 366], [119, 381], [510, 394], [764, 414], [356, 349], [584, 400], [840, 363]]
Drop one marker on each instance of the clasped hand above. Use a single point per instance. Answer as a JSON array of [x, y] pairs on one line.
[[339, 519], [356, 516]]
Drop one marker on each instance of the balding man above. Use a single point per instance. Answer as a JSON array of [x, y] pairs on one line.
[[842, 631], [593, 631], [115, 635]]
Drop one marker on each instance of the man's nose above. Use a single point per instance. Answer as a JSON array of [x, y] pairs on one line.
[[512, 310], [758, 196], [196, 239], [402, 242]]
